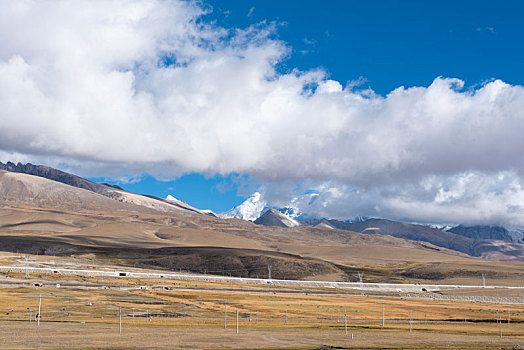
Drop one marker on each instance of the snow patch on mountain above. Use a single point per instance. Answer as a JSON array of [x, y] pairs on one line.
[[170, 198]]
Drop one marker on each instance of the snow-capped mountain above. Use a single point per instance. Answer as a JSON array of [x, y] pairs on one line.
[[300, 211], [250, 209], [255, 206], [295, 208]]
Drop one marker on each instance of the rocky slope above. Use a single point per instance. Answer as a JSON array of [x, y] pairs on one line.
[[273, 217], [492, 248], [483, 232]]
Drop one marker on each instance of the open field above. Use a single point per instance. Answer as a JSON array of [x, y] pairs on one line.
[[178, 312], [158, 313]]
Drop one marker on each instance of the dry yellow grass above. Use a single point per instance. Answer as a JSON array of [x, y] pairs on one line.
[[182, 318]]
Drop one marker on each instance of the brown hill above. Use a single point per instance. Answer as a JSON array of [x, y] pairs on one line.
[[106, 190], [41, 216], [415, 232], [489, 249], [19, 188]]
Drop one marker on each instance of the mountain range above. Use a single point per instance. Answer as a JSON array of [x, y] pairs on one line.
[[48, 211], [472, 240]]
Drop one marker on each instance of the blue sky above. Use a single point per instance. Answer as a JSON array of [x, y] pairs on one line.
[[219, 193], [394, 43], [409, 110], [384, 44]]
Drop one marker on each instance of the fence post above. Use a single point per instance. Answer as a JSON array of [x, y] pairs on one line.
[[383, 320], [39, 304]]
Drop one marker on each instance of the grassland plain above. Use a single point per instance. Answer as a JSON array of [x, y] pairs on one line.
[[163, 314], [158, 314]]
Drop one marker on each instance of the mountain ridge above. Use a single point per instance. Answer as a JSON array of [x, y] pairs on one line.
[[36, 192], [110, 191], [273, 217], [485, 248], [483, 232]]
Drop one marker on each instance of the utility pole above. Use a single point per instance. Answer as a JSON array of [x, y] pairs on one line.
[[39, 304], [269, 271], [484, 280], [237, 321], [360, 275], [225, 316], [410, 321], [346, 323], [26, 266], [383, 320]]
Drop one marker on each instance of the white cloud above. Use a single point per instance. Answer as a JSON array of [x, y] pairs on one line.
[[486, 29], [133, 86], [466, 198]]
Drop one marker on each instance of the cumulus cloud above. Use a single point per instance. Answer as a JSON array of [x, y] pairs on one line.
[[148, 86], [469, 198]]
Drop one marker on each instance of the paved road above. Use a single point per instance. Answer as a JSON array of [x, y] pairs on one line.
[[379, 287]]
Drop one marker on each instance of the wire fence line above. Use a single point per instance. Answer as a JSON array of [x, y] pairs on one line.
[[468, 298], [108, 312], [144, 318]]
